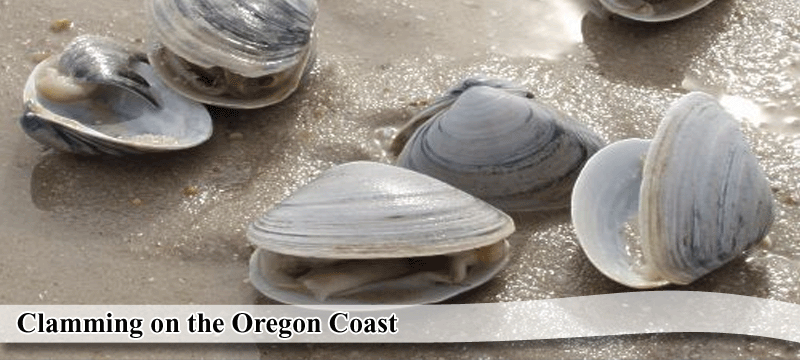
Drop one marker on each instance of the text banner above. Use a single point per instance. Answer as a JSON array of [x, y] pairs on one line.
[[597, 315]]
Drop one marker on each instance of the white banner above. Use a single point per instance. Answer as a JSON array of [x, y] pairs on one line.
[[598, 315]]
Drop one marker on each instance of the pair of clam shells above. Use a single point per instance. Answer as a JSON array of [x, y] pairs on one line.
[[381, 234], [103, 96], [669, 210], [647, 214]]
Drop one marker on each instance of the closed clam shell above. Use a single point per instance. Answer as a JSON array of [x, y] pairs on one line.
[[364, 212], [100, 96], [670, 210], [654, 10], [232, 53], [493, 140]]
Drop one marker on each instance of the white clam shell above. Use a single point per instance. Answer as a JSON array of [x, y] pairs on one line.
[[103, 111], [232, 53], [370, 211], [492, 140], [654, 10], [695, 193]]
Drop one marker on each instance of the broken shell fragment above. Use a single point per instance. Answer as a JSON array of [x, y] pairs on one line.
[[370, 233], [671, 210]]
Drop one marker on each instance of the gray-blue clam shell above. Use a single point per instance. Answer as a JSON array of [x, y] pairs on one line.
[[126, 108], [491, 139], [371, 233], [232, 53], [670, 210]]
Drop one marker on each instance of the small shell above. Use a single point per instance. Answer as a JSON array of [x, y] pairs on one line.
[[101, 97], [654, 10], [381, 235], [232, 53], [492, 140], [670, 210]]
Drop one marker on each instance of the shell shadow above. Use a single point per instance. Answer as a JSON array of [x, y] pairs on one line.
[[62, 181], [128, 189], [573, 273], [736, 277], [652, 54]]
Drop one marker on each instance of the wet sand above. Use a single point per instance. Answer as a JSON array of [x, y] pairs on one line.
[[169, 229]]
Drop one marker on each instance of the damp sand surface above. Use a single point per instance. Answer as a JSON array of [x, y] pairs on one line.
[[169, 228]]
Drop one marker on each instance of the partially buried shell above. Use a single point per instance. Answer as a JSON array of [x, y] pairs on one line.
[[100, 96], [370, 233], [232, 53], [654, 10], [670, 210], [491, 139]]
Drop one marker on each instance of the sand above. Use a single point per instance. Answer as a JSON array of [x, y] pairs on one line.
[[169, 229]]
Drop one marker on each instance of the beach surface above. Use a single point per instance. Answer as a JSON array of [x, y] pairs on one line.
[[170, 228]]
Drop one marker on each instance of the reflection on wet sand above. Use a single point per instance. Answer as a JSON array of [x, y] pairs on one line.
[[660, 52]]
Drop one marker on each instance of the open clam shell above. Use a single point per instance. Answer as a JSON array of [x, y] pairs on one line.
[[100, 96], [654, 10], [491, 139], [232, 53], [370, 233], [670, 210]]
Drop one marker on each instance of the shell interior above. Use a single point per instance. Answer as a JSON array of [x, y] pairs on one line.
[[503, 147], [670, 210], [400, 281], [605, 207], [110, 119]]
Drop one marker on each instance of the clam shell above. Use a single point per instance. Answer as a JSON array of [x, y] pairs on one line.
[[654, 10], [366, 210], [370, 211], [129, 110], [232, 53], [492, 140], [695, 194]]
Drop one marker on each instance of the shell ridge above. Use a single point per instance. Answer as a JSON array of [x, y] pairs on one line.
[[722, 189], [294, 34], [243, 37], [677, 256], [378, 225], [424, 209], [478, 144]]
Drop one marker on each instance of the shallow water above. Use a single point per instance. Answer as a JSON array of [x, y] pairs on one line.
[[169, 229]]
